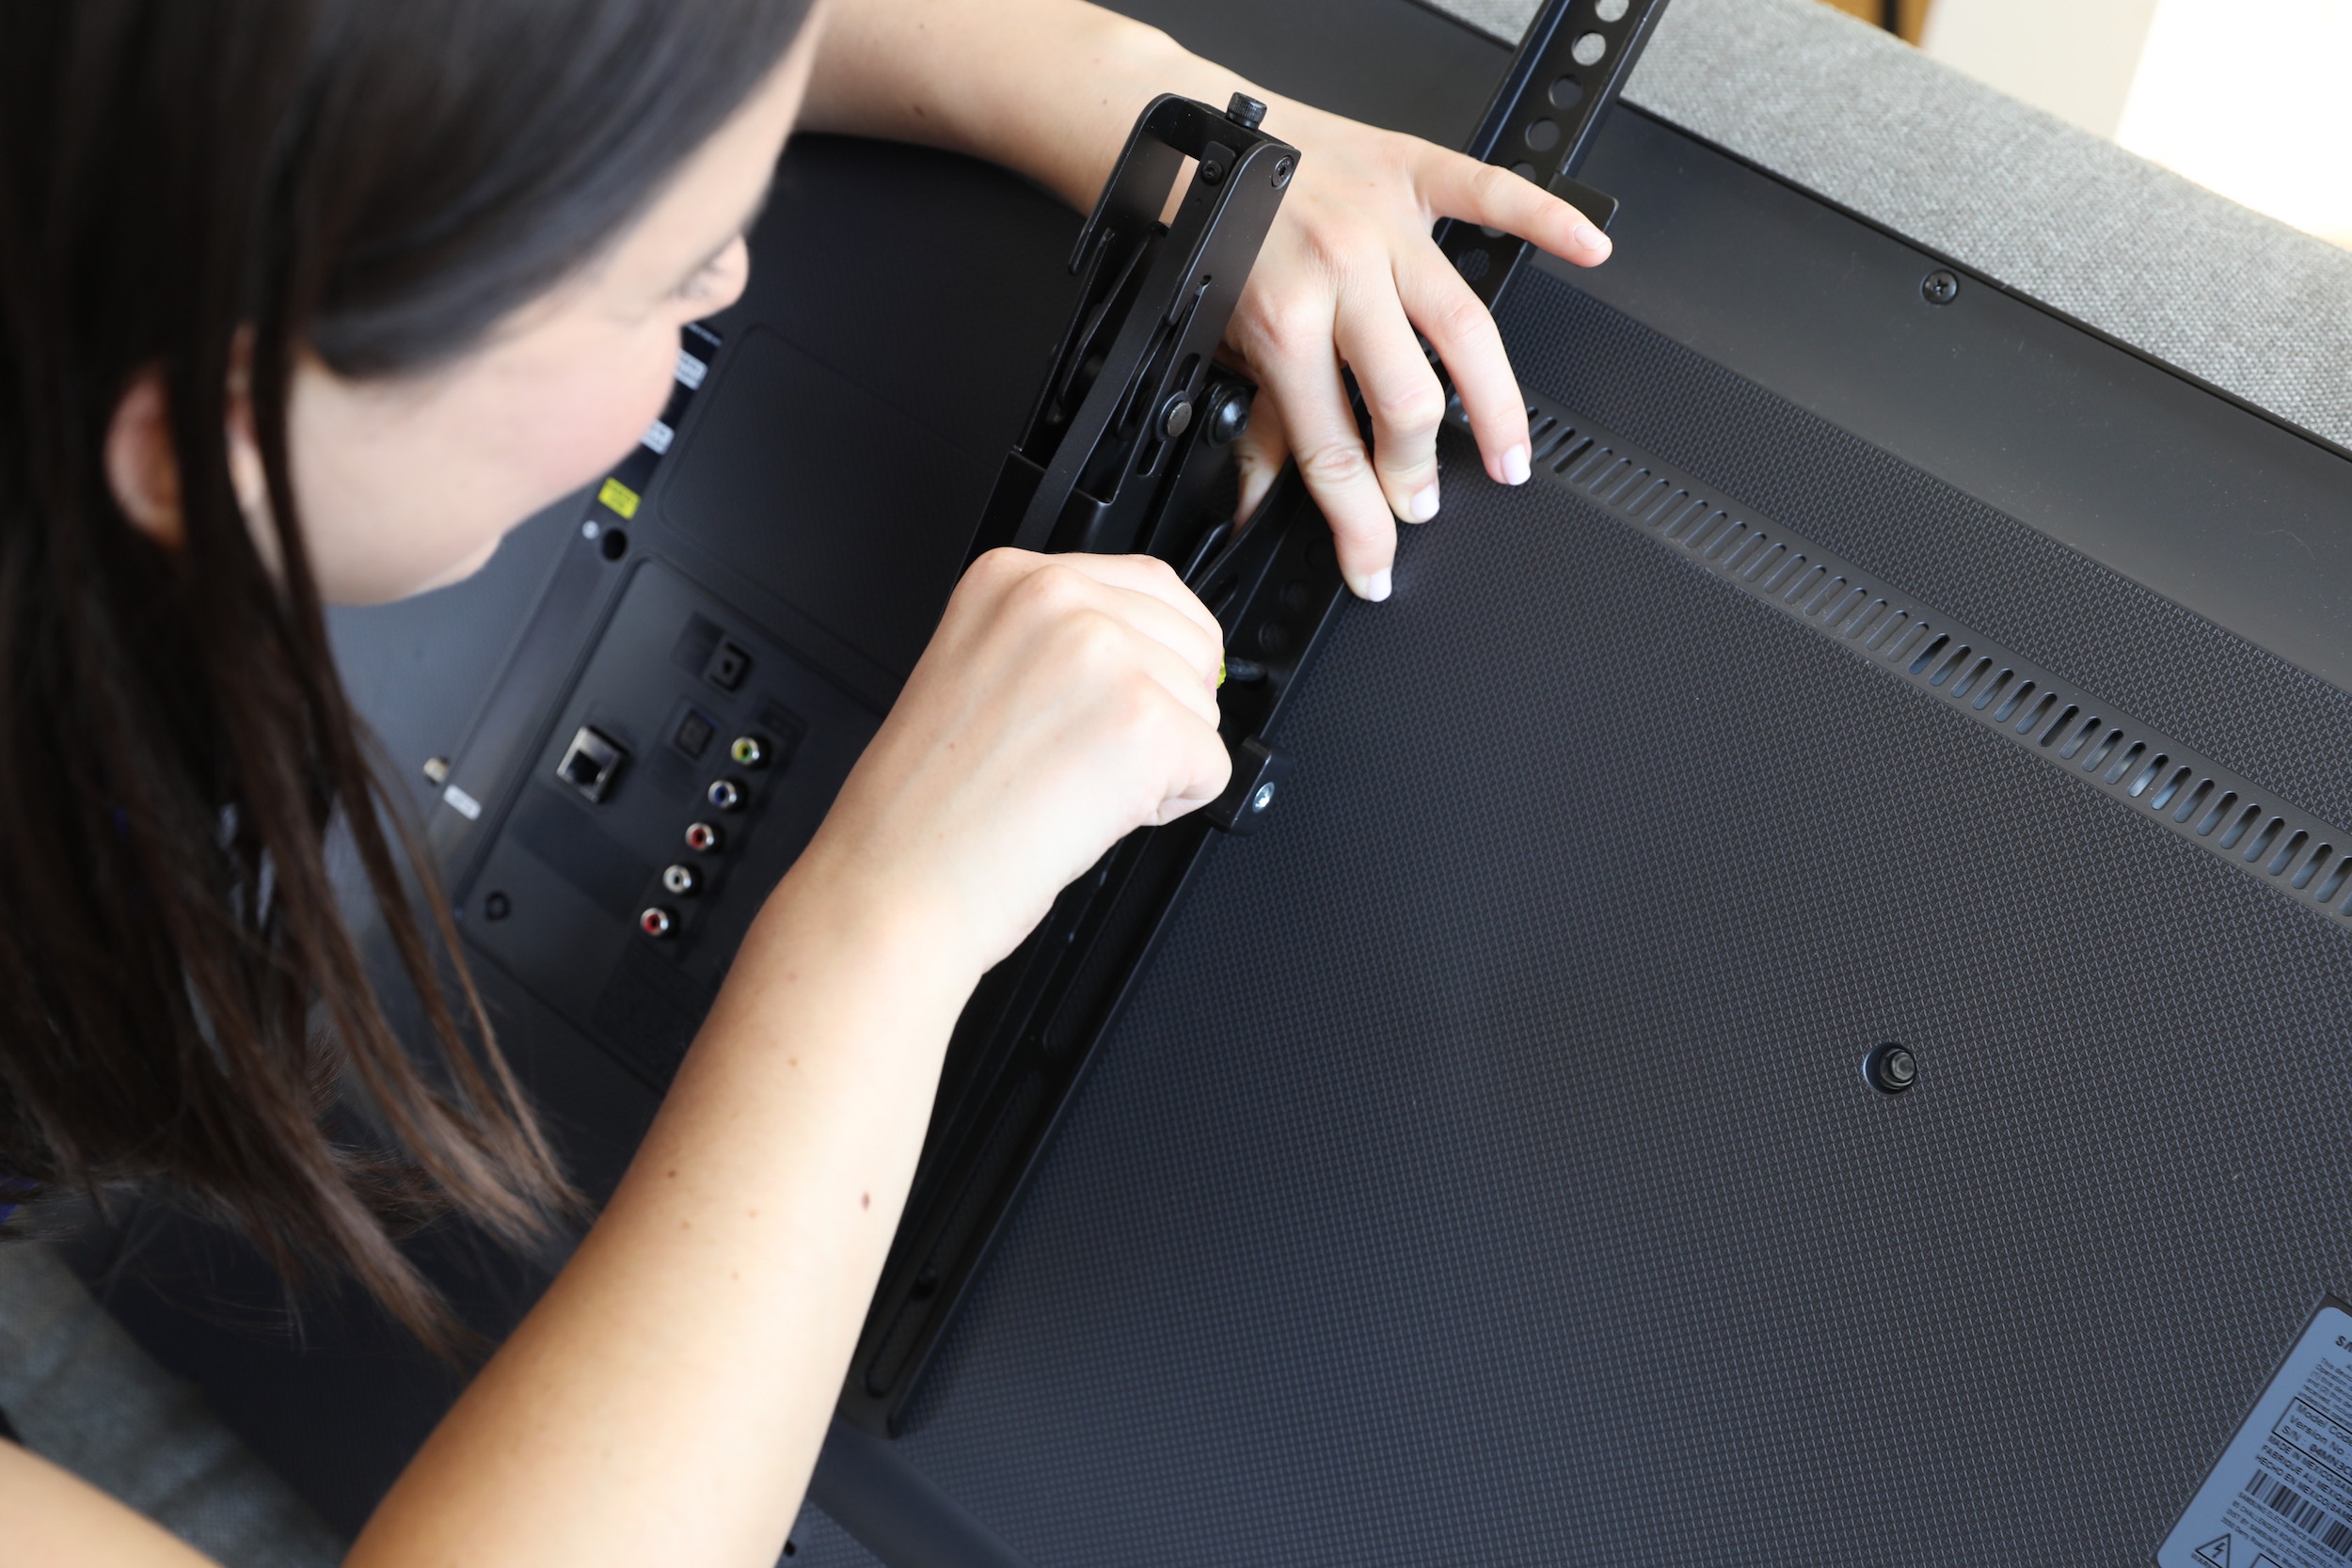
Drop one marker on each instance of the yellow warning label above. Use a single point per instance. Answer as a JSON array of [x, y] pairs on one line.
[[619, 496]]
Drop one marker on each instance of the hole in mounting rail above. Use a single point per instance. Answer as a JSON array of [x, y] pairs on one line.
[[2263, 840], [1968, 682], [1892, 625], [2237, 830], [2193, 805], [2032, 721], [2335, 880], [2000, 684], [2090, 727], [2141, 779], [2311, 867], [2130, 755], [1944, 671], [1928, 654]]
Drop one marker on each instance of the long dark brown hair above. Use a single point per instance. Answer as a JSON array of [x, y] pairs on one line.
[[378, 181]]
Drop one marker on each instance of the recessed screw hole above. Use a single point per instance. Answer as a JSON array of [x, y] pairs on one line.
[[1890, 1068]]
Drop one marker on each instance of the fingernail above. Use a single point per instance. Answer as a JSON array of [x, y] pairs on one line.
[[1515, 469], [1425, 503], [1592, 238], [1375, 587]]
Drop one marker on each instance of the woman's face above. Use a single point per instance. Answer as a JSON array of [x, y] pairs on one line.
[[409, 483]]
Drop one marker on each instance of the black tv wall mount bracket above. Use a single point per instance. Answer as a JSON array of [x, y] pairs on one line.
[[1128, 449]]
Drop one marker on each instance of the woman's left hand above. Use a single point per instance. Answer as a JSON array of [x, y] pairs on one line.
[[1348, 275]]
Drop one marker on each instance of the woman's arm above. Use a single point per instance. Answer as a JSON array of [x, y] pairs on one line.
[[665, 1400], [52, 1518], [1349, 272]]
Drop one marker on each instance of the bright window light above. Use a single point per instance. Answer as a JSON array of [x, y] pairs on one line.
[[2250, 98]]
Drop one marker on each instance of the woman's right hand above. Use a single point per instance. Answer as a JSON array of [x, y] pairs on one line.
[[1064, 700]]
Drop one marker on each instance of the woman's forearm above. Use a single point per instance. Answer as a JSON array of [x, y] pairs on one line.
[[665, 1400], [966, 74]]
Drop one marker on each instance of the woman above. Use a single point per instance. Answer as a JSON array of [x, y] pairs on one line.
[[265, 262]]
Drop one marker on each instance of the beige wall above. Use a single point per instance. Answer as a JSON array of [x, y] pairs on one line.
[[1910, 15], [2247, 97], [2075, 58]]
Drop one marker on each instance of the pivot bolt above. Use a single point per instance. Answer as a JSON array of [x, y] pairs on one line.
[[657, 922], [1176, 416], [1228, 416], [1283, 169], [1245, 111], [1940, 287], [1212, 173]]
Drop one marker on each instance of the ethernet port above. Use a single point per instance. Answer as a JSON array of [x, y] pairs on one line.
[[591, 762]]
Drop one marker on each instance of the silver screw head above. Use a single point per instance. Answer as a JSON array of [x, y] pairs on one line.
[[1263, 799]]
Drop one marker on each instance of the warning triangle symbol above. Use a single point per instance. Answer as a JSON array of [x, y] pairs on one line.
[[2216, 1552]]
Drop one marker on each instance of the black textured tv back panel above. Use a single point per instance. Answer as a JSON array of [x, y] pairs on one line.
[[2199, 800]]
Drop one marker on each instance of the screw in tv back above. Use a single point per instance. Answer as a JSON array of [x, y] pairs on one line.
[[1889, 1068]]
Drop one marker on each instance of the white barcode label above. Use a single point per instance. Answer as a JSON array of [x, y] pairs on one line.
[[2281, 1495]]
